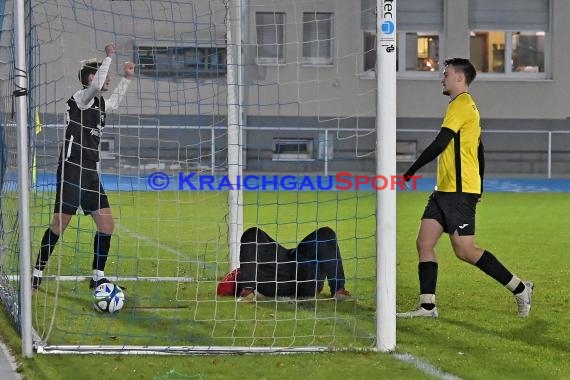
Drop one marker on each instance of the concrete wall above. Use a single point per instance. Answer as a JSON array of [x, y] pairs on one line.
[[291, 94]]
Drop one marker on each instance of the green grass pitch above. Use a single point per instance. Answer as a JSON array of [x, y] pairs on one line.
[[478, 335]]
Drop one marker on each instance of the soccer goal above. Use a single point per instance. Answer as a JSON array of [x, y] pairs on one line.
[[242, 113]]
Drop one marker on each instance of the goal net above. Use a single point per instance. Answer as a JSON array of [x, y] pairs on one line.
[[240, 114]]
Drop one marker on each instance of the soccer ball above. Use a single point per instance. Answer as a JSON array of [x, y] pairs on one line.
[[108, 298]]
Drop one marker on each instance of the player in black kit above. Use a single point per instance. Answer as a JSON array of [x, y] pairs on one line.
[[269, 269], [78, 182]]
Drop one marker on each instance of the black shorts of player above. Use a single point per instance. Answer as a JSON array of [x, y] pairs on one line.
[[81, 186], [454, 211]]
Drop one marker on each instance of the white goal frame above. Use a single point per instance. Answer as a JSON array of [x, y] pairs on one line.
[[386, 200]]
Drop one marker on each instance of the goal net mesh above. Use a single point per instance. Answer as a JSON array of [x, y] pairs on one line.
[[305, 109]]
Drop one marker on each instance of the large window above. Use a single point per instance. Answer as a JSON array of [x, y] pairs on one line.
[[270, 30], [317, 38], [419, 37], [181, 62], [418, 51], [509, 37]]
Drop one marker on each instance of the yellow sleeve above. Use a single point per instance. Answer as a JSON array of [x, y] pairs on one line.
[[454, 118]]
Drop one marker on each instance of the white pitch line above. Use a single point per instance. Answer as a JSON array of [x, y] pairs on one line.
[[425, 367], [154, 241], [164, 247]]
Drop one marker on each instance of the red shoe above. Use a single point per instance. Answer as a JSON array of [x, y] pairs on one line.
[[342, 295]]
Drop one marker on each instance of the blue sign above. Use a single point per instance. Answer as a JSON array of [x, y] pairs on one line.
[[388, 27]]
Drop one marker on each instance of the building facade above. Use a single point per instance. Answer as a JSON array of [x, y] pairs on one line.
[[307, 79]]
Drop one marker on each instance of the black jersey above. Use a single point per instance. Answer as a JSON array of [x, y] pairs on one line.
[[84, 130], [274, 270]]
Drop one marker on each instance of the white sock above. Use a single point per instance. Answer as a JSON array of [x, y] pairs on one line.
[[427, 298], [512, 285], [98, 274], [38, 273]]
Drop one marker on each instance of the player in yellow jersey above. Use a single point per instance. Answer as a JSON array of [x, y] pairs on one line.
[[451, 207]]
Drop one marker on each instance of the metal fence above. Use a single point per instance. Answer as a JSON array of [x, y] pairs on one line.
[[511, 152]]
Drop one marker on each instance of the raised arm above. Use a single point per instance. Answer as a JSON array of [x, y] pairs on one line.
[[117, 96], [84, 97]]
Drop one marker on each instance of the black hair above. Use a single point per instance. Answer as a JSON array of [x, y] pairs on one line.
[[86, 70], [464, 66]]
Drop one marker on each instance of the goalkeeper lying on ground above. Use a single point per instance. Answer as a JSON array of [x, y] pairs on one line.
[[271, 270]]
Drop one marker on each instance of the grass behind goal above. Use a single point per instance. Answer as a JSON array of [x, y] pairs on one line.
[[169, 250], [477, 336]]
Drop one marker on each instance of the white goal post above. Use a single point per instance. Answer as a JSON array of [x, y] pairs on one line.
[[277, 92]]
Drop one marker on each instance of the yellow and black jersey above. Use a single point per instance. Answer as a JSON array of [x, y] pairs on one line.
[[458, 166]]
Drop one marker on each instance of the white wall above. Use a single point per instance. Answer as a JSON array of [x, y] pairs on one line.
[[326, 91]]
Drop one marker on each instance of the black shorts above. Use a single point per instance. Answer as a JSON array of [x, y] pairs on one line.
[[81, 186], [454, 211]]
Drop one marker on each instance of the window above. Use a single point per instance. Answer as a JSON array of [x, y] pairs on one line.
[[107, 148], [419, 37], [292, 149], [270, 30], [509, 37], [317, 38], [422, 51], [181, 62], [369, 51]]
